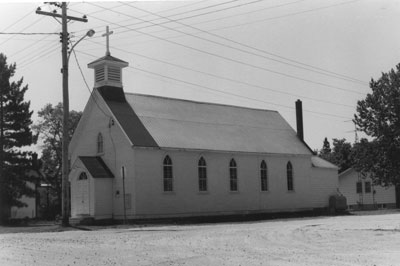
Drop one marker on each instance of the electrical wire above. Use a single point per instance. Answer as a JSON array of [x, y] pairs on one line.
[[19, 20], [244, 45], [224, 92], [226, 78], [263, 51], [92, 94], [29, 33], [236, 61], [30, 25]]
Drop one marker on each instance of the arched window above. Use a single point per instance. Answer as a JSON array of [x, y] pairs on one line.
[[100, 146], [82, 176], [202, 175], [264, 176], [167, 169], [233, 180], [289, 174]]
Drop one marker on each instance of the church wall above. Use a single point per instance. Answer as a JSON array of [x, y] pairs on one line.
[[117, 152], [324, 183], [186, 199]]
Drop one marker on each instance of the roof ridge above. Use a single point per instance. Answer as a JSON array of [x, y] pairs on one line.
[[199, 102]]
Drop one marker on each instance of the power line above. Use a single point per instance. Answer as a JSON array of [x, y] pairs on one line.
[[29, 33], [263, 51], [19, 20], [234, 60], [239, 43], [163, 11], [92, 94], [30, 25], [226, 78], [46, 52], [177, 14], [223, 92]]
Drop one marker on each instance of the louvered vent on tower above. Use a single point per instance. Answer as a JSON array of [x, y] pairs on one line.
[[99, 74], [108, 71], [114, 74]]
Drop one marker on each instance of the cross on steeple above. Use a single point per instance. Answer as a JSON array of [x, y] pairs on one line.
[[107, 34]]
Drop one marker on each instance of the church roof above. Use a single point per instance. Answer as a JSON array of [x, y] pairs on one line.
[[96, 167], [321, 163], [183, 124], [107, 58]]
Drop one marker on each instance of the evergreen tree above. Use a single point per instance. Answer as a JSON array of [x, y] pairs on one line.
[[15, 132], [340, 155], [325, 152]]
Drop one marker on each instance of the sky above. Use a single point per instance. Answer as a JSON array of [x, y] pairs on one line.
[[262, 54]]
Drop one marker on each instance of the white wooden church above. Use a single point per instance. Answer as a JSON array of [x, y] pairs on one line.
[[141, 156]]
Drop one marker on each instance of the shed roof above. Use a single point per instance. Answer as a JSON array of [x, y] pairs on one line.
[[96, 167], [321, 163], [183, 124]]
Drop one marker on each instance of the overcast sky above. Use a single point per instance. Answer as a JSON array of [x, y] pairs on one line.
[[261, 54]]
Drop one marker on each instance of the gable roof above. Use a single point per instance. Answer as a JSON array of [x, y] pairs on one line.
[[183, 124], [96, 167]]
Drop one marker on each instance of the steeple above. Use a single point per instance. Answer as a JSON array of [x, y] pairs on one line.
[[108, 69]]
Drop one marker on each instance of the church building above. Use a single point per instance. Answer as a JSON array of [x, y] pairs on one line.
[[136, 156]]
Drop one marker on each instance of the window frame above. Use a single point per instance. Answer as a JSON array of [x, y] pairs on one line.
[[359, 186], [368, 188], [168, 176], [100, 143], [81, 175], [202, 175], [289, 176], [233, 176], [264, 176]]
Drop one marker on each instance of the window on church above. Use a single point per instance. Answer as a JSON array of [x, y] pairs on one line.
[[100, 144], [82, 176], [289, 174], [202, 175], [167, 174], [233, 180], [264, 176]]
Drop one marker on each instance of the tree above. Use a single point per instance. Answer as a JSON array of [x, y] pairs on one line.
[[378, 116], [326, 152], [15, 133], [49, 129], [340, 155]]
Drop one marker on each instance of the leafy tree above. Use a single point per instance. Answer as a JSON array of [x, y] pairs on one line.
[[49, 129], [378, 116], [15, 133], [340, 155]]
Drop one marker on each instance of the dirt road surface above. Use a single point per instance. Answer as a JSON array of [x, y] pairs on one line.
[[342, 240]]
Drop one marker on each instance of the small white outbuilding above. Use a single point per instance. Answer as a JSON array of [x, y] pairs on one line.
[[142, 156], [361, 193]]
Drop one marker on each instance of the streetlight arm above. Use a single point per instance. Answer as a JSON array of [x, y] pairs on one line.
[[90, 33]]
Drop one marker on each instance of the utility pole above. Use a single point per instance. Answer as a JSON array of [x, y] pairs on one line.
[[65, 160]]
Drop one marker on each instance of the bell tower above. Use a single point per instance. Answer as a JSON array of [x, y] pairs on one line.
[[108, 69]]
